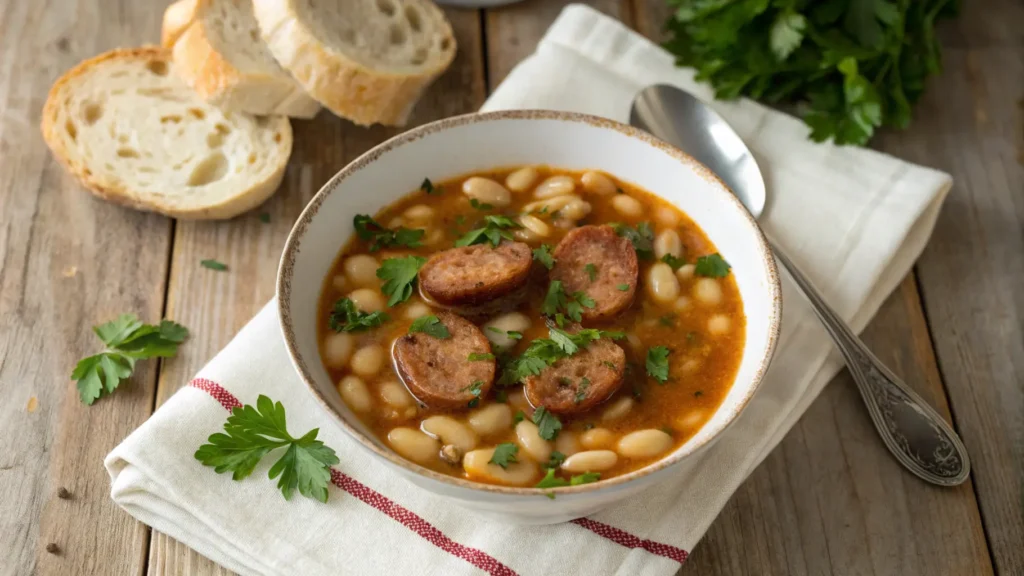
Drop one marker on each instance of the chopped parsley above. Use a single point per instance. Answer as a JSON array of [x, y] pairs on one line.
[[504, 454], [668, 320], [698, 393], [477, 356], [547, 423], [519, 417], [431, 326], [543, 255], [712, 266], [610, 364], [400, 277], [673, 262], [543, 352], [657, 363], [642, 238], [213, 265], [581, 390], [428, 187], [369, 230], [552, 481], [623, 287], [476, 388], [555, 460], [591, 271], [556, 301], [345, 317], [480, 205], [494, 230], [460, 220]]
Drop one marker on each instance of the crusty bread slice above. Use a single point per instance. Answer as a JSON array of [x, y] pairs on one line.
[[365, 60], [132, 132], [218, 52]]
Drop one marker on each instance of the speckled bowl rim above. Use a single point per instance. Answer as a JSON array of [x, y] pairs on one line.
[[293, 243]]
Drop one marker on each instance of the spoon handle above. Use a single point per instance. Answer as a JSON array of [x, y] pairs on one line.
[[916, 435]]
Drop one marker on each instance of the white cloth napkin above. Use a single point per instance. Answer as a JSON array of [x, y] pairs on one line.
[[854, 219]]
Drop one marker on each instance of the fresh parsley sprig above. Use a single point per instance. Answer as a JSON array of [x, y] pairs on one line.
[[345, 317], [431, 326], [556, 301], [494, 230], [252, 433], [399, 275], [543, 352], [504, 454], [378, 236], [642, 238], [657, 363], [127, 340], [543, 255], [712, 266]]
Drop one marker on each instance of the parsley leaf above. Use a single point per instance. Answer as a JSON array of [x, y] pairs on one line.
[[547, 423], [543, 255], [251, 433], [370, 230], [476, 388], [668, 320], [504, 454], [657, 363], [554, 300], [519, 417], [480, 205], [786, 34], [623, 287], [557, 300], [431, 326], [494, 230], [552, 481], [585, 478], [712, 265], [400, 276], [581, 390], [213, 265], [428, 187], [127, 340], [591, 271], [673, 262], [346, 318], [555, 460], [642, 238], [477, 356]]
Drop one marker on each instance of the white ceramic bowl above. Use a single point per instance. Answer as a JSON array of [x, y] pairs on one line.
[[455, 146]]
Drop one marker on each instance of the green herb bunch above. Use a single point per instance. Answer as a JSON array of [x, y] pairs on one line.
[[851, 65]]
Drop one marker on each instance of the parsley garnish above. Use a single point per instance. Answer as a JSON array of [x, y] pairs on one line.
[[345, 317], [547, 423], [673, 262], [555, 460], [623, 287], [581, 390], [514, 335], [698, 393], [557, 300], [519, 417], [400, 276], [476, 356], [504, 454], [475, 389], [712, 266], [370, 230], [552, 481], [543, 255], [668, 319], [591, 271], [431, 326], [610, 364], [127, 340], [543, 352], [657, 363], [642, 238], [495, 228], [251, 433], [428, 187], [213, 265], [480, 205]]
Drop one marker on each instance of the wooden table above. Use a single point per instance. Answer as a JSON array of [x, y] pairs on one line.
[[828, 500]]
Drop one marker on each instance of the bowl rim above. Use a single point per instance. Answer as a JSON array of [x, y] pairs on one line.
[[299, 229]]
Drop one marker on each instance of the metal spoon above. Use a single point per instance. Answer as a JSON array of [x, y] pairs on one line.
[[916, 435]]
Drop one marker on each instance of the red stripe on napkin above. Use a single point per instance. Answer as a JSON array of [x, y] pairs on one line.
[[431, 534]]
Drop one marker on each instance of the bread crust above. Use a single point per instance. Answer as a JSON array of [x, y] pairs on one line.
[[115, 191]]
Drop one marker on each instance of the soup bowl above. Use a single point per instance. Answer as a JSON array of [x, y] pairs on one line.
[[476, 142]]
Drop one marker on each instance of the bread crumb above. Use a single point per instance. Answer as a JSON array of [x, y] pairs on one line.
[[70, 271]]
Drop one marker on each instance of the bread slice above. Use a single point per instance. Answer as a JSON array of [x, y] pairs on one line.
[[132, 132], [365, 60], [218, 52]]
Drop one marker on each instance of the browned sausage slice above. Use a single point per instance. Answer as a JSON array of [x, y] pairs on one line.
[[438, 371], [578, 383], [614, 267], [474, 275]]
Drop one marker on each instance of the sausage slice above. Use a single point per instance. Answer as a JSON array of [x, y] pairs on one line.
[[597, 261], [471, 276], [578, 383], [438, 371]]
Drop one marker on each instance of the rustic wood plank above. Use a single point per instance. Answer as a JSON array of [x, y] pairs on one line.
[[831, 499], [215, 305], [67, 262], [971, 124]]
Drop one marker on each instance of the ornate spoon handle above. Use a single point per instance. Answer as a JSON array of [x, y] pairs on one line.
[[915, 434]]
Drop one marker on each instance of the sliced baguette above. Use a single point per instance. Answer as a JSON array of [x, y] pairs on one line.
[[219, 53], [365, 60], [132, 132]]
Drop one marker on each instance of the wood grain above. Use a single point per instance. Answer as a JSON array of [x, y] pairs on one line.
[[215, 305], [68, 262]]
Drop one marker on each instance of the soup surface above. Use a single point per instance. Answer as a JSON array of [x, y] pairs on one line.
[[531, 326]]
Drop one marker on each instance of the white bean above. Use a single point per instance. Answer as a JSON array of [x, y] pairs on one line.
[[396, 222], [681, 303], [597, 438], [361, 270], [414, 445], [337, 349], [395, 395], [690, 365], [634, 342], [511, 322], [419, 213], [367, 361], [433, 236], [618, 409], [567, 443], [529, 439], [486, 191], [535, 225], [491, 419], [590, 461], [555, 186], [719, 324], [597, 183], [666, 217], [450, 431], [519, 473], [690, 420], [367, 300], [627, 206], [550, 205], [644, 443], [707, 291], [354, 392], [662, 284], [575, 210], [668, 242], [517, 401], [416, 310], [685, 272], [521, 180]]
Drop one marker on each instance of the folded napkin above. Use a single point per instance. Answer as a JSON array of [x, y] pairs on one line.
[[853, 219]]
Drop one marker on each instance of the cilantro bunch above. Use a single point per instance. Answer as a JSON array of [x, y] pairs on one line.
[[851, 65]]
